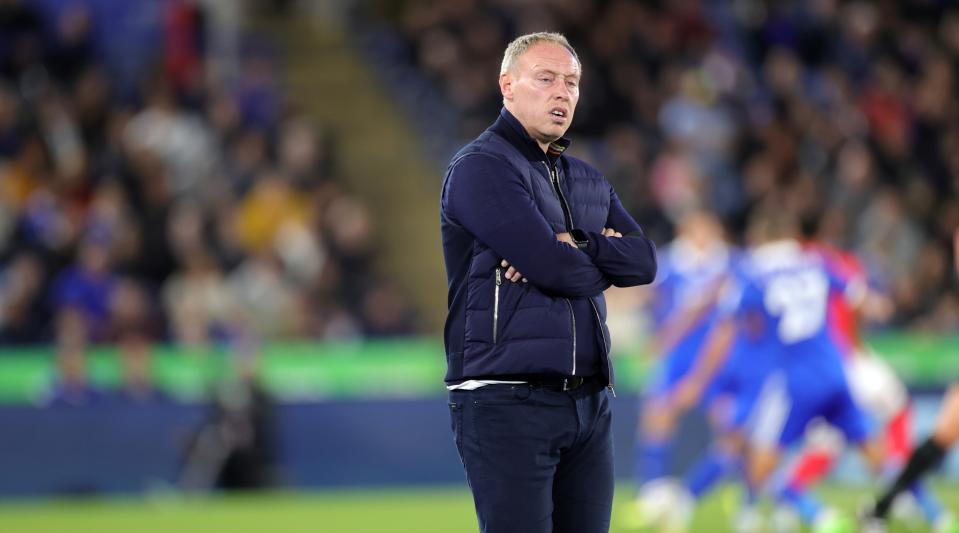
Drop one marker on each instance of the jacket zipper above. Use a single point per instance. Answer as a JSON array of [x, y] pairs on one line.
[[568, 220], [499, 282], [567, 212], [609, 362], [572, 317]]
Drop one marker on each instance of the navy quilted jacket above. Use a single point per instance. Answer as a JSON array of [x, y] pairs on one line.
[[503, 197]]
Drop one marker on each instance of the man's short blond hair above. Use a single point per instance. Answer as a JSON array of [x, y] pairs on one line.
[[522, 43]]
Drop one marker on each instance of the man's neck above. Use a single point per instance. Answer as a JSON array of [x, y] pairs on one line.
[[542, 145], [551, 149]]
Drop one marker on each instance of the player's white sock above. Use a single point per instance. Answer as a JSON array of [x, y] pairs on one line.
[[657, 504], [785, 519], [870, 523], [905, 509], [748, 520], [681, 515]]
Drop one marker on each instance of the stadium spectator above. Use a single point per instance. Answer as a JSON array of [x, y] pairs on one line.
[[21, 304], [71, 384], [196, 301], [235, 447], [88, 287], [137, 385]]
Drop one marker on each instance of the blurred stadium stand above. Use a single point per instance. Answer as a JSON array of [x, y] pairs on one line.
[[160, 178]]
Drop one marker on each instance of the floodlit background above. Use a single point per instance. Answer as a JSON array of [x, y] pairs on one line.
[[220, 266]]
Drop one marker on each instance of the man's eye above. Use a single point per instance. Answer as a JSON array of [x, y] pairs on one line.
[[572, 84], [545, 80]]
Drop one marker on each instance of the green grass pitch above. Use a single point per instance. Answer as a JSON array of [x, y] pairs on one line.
[[414, 510]]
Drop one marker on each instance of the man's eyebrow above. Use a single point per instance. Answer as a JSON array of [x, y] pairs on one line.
[[539, 70]]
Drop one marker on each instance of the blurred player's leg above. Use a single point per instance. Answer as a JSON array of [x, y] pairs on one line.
[[657, 492], [898, 448], [653, 452], [927, 456], [823, 445], [786, 408], [877, 389], [722, 459]]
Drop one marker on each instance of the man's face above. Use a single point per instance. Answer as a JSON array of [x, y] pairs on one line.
[[542, 89]]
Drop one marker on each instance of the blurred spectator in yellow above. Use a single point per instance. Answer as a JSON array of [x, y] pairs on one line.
[[270, 207]]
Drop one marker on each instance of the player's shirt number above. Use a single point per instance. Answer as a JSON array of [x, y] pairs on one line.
[[799, 300]]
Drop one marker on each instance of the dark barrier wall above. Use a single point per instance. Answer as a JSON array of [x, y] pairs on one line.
[[117, 448], [342, 443], [109, 448], [386, 442]]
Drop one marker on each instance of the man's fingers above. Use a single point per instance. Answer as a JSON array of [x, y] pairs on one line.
[[511, 273]]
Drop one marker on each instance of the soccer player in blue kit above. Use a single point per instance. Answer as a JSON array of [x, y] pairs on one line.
[[787, 291], [727, 376], [692, 268], [771, 352]]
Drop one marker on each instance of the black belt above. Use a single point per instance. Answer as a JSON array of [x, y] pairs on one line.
[[561, 384]]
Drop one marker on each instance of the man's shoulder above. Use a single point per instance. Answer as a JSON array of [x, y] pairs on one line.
[[582, 168], [486, 151], [487, 144]]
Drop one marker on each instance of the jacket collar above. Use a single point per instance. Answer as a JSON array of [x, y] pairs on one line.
[[509, 127]]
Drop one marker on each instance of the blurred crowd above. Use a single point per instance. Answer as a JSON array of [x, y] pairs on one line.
[[845, 112], [188, 206]]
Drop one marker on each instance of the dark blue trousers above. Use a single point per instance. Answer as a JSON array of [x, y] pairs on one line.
[[537, 460]]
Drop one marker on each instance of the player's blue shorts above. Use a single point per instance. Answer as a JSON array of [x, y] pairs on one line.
[[794, 396], [734, 392]]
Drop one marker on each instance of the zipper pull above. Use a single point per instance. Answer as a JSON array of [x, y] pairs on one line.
[[499, 276], [611, 389]]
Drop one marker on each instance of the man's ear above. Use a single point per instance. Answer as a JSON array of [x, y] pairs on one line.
[[506, 85]]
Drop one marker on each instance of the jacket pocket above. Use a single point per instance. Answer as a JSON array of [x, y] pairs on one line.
[[498, 282]]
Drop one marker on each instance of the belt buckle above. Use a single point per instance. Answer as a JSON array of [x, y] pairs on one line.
[[572, 383], [566, 386]]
